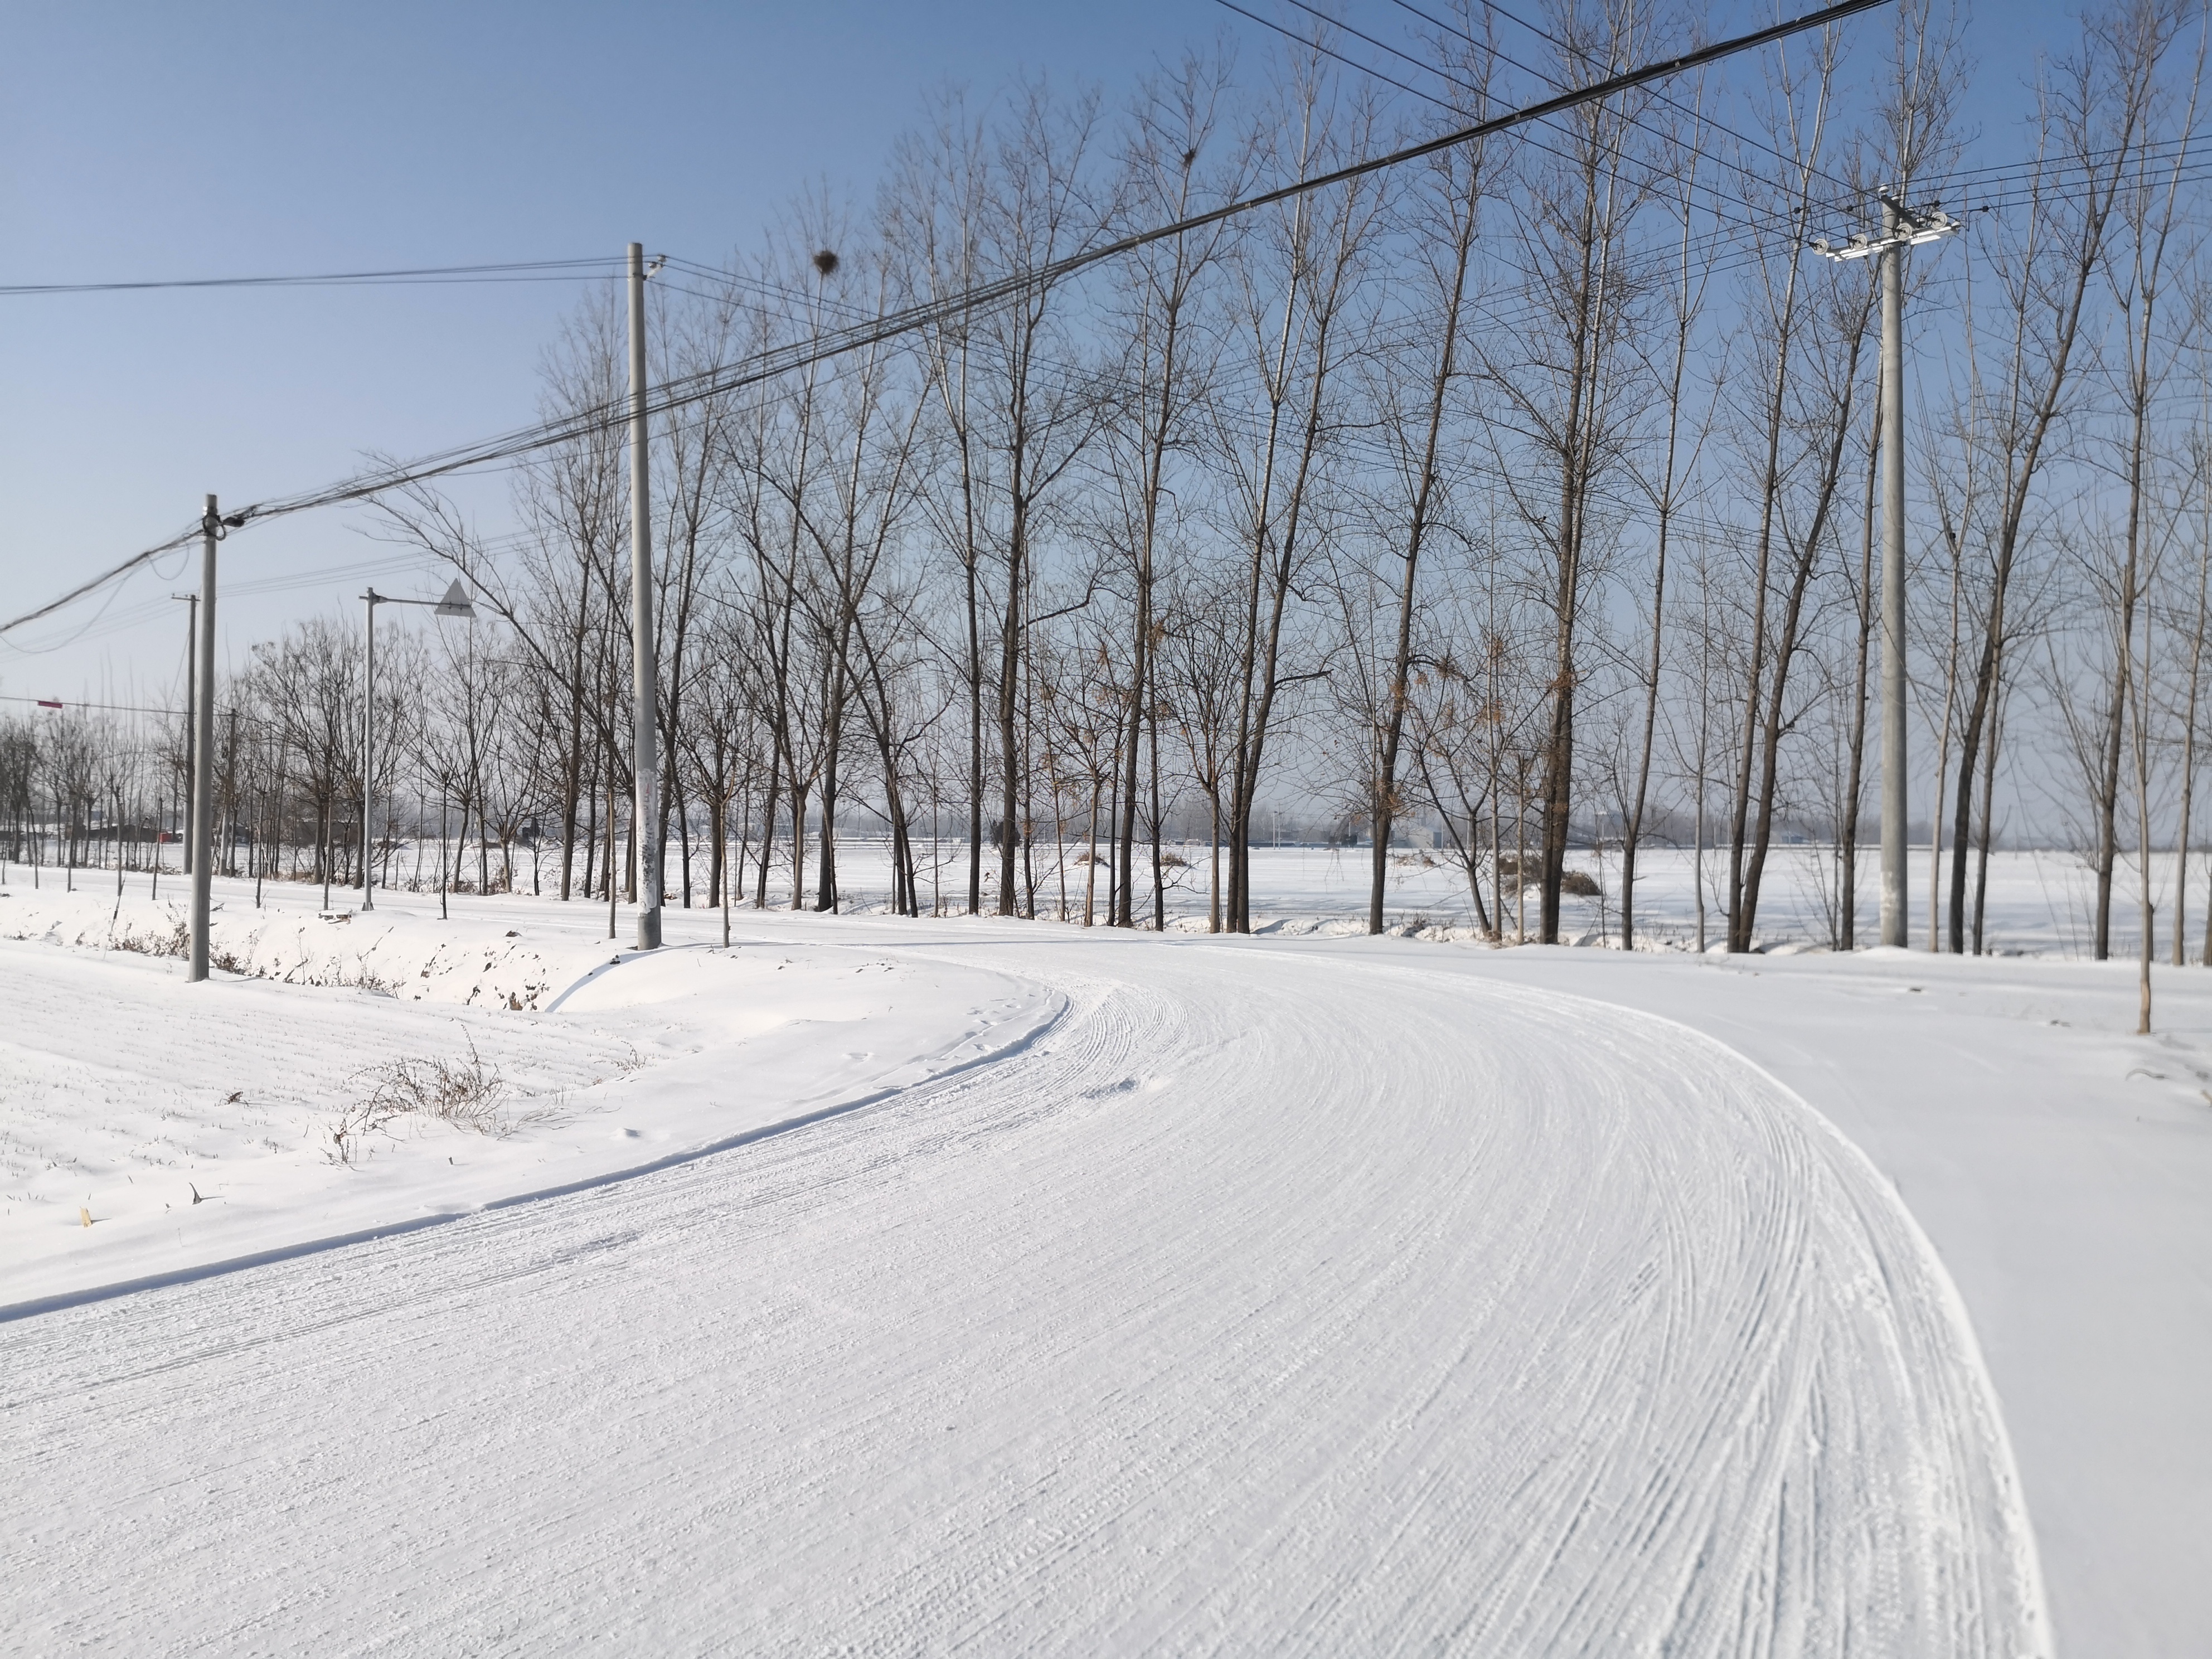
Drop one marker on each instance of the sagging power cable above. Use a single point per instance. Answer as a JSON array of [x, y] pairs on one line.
[[529, 270], [784, 360]]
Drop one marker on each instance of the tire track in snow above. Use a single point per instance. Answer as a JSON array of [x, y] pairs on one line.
[[1271, 1304]]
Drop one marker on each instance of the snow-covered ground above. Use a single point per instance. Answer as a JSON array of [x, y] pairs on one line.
[[1289, 1294], [2039, 901], [195, 1125], [2059, 1163]]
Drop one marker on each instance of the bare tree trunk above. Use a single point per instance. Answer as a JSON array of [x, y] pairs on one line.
[[2141, 713], [2101, 106], [1686, 311], [2189, 714], [1010, 668], [1738, 937], [1383, 806], [1831, 479], [1988, 813], [1847, 831]]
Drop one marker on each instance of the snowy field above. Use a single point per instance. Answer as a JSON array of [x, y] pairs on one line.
[[886, 1286], [2040, 901]]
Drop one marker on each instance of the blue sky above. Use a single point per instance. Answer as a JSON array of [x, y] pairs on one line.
[[151, 141]]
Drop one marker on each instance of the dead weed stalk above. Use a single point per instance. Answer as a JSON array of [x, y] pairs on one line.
[[468, 1095]]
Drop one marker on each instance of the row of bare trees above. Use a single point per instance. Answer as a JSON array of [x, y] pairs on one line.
[[1520, 497]]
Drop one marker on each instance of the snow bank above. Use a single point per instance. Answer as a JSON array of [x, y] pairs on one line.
[[202, 1125]]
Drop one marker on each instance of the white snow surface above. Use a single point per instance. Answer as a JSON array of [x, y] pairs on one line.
[[194, 1124], [1066, 1291], [2038, 901]]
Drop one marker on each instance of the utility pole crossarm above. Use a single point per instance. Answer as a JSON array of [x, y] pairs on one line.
[[1908, 228]]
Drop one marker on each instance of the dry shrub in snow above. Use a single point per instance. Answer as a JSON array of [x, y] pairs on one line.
[[365, 978], [177, 942], [467, 1095]]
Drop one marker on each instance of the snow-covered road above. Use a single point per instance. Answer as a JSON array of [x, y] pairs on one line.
[[1268, 1303]]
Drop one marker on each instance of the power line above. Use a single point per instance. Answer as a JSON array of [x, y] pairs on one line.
[[1699, 116], [1759, 220], [987, 294], [1389, 337], [532, 271], [63, 706], [106, 623], [781, 360]]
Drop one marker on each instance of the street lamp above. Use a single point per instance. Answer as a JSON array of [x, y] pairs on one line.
[[192, 719], [455, 603]]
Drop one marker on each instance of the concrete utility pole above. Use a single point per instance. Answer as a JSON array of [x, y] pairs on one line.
[[1894, 904], [644, 829], [200, 846], [456, 603], [192, 701], [368, 761], [1901, 227]]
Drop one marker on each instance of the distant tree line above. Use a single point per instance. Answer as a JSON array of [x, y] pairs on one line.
[[1527, 492]]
